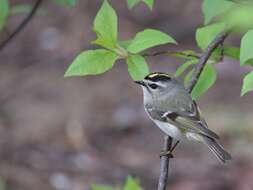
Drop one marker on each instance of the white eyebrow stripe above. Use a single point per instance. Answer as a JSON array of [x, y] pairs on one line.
[[166, 114]]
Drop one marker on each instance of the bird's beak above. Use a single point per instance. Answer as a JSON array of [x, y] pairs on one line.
[[140, 82]]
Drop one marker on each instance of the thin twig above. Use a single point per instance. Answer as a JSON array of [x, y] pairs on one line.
[[204, 58], [176, 53], [22, 25], [196, 74]]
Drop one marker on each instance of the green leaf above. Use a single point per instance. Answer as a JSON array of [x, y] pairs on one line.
[[206, 80], [239, 18], [70, 3], [4, 12], [233, 52], [181, 69], [213, 8], [132, 184], [149, 38], [246, 53], [106, 26], [132, 3], [137, 67], [125, 43], [206, 34], [101, 187], [247, 83], [149, 3], [20, 9], [92, 62]]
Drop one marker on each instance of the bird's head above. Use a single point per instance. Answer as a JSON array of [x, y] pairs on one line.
[[156, 84]]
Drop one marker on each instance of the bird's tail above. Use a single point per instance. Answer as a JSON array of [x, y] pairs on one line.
[[217, 149]]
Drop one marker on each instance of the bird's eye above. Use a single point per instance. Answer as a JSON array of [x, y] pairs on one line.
[[153, 86]]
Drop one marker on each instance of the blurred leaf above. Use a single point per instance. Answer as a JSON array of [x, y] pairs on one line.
[[101, 187], [246, 53], [132, 3], [4, 12], [2, 184], [70, 3], [239, 18], [131, 184], [92, 62], [247, 83], [205, 35], [106, 26], [20, 9], [149, 3], [213, 8], [239, 1], [137, 67], [149, 38], [233, 52], [206, 80], [181, 69]]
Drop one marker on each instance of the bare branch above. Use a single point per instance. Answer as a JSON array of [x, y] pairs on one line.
[[204, 58], [196, 74], [22, 25]]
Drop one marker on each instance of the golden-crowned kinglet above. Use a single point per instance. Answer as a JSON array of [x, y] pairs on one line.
[[171, 107]]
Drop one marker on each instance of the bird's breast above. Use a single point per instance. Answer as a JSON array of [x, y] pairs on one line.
[[169, 129]]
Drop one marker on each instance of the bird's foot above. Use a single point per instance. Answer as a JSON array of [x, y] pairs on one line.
[[168, 153]]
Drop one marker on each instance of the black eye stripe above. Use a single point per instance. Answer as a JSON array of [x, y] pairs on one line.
[[153, 86]]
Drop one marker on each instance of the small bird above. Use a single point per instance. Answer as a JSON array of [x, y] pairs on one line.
[[172, 109]]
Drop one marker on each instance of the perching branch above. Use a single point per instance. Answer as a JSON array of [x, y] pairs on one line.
[[165, 164], [196, 74], [22, 25]]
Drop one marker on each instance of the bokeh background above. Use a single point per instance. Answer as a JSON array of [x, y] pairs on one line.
[[67, 133]]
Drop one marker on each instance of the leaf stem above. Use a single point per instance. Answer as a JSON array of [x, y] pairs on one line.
[[174, 53]]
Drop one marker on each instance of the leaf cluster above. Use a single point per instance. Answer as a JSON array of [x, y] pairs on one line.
[[98, 61], [217, 19]]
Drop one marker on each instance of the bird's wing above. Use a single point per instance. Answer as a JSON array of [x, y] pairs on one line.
[[189, 120]]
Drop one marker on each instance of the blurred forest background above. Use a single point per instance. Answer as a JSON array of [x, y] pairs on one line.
[[67, 133]]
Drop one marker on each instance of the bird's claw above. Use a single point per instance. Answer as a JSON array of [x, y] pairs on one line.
[[168, 153]]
